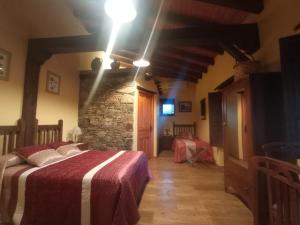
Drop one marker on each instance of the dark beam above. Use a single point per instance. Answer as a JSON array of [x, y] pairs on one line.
[[252, 6], [234, 52], [174, 61], [179, 68], [194, 56], [172, 74], [181, 71], [35, 58], [243, 35]]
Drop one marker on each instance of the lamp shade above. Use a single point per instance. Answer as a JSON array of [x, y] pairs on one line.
[[76, 132]]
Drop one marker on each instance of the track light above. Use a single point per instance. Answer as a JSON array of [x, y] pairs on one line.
[[141, 63]]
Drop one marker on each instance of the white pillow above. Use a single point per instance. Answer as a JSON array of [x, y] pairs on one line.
[[44, 157], [13, 160], [68, 150]]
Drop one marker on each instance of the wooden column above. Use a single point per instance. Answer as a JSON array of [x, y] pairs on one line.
[[35, 58]]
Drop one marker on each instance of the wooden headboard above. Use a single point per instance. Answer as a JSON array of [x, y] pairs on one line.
[[11, 137], [179, 129], [49, 133]]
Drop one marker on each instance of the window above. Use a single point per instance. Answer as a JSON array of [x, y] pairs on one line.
[[167, 107]]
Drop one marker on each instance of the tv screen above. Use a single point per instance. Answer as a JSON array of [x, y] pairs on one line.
[[167, 107]]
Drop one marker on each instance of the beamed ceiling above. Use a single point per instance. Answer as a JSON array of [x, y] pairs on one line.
[[188, 36]]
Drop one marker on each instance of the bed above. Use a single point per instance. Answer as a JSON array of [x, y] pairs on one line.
[[91, 187], [187, 147]]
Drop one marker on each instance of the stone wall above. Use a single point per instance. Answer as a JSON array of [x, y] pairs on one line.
[[107, 123]]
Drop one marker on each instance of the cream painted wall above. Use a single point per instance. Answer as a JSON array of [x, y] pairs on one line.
[[277, 20], [180, 91], [14, 34], [11, 91], [52, 107]]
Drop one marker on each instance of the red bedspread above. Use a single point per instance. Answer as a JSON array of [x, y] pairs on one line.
[[180, 149], [97, 188]]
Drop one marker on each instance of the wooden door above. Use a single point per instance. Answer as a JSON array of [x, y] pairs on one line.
[[145, 123]]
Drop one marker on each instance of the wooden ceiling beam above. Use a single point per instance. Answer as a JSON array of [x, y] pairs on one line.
[[193, 56], [160, 72], [252, 6], [234, 52], [181, 70], [168, 60], [245, 36]]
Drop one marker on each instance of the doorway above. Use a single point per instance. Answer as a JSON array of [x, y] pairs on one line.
[[146, 123]]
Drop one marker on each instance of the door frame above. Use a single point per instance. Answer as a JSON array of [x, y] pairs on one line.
[[154, 118]]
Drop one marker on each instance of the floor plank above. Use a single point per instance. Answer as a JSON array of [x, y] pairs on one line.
[[180, 194]]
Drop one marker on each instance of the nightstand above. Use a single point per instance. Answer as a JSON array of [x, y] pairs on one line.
[[165, 142]]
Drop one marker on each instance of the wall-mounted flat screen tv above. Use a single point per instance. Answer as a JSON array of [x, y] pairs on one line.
[[167, 107]]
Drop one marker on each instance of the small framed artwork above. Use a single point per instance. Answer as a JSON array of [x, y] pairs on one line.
[[53, 83], [185, 107], [4, 64], [203, 109]]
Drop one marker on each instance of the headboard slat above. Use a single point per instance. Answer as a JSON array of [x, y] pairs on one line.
[[49, 133], [11, 137], [179, 129]]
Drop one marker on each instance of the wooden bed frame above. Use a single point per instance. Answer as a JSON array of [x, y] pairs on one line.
[[178, 129], [12, 137], [280, 180]]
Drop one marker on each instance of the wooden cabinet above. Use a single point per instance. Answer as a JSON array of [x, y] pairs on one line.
[[165, 142], [290, 61], [252, 111]]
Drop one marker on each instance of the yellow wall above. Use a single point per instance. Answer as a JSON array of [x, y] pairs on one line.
[[216, 74], [180, 91], [11, 91], [13, 38], [277, 20], [52, 107]]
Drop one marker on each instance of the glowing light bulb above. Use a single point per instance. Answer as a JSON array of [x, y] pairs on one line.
[[106, 63], [141, 63], [121, 11]]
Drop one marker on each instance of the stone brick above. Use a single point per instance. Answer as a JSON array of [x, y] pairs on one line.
[[107, 123]]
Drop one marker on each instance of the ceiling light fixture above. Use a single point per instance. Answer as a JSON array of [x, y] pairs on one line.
[[121, 11], [141, 63], [106, 63]]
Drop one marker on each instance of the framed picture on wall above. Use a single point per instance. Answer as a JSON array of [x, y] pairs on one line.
[[4, 64], [185, 106], [53, 83], [203, 109]]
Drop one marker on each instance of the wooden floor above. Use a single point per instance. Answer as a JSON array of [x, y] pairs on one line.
[[180, 194]]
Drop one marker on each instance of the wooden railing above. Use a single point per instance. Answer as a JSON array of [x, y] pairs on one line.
[[279, 181]]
